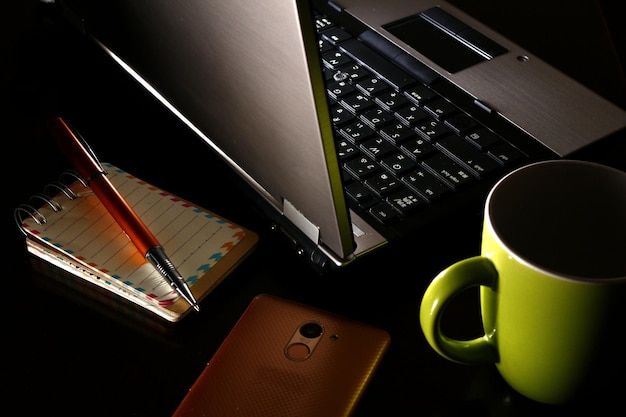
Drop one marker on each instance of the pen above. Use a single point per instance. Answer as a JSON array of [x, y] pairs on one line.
[[89, 168]]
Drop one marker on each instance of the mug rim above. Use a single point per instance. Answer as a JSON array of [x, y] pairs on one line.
[[524, 260]]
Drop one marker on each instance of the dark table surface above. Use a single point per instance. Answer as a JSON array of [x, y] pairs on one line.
[[68, 355]]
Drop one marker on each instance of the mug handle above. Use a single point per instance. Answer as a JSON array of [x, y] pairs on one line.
[[453, 280]]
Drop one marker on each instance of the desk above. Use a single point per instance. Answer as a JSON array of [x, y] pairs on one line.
[[69, 356]]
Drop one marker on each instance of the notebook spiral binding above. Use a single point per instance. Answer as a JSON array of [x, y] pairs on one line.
[[47, 197]]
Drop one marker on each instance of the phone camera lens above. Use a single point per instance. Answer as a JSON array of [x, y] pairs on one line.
[[311, 330]]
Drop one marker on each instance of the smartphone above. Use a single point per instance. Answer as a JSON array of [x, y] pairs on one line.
[[287, 359]]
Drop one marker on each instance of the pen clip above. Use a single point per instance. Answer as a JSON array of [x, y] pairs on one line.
[[90, 151]]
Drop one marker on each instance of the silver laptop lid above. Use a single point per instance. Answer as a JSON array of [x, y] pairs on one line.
[[245, 76]]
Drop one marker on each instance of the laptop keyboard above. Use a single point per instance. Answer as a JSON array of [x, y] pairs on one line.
[[400, 144]]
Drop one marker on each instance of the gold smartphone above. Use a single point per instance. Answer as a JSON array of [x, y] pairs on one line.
[[285, 359]]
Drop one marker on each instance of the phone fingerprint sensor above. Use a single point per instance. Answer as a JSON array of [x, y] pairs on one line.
[[298, 351]]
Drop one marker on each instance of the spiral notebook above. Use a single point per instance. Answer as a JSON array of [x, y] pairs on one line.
[[72, 230]]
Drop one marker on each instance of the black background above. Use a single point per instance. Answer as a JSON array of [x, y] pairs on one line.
[[70, 354]]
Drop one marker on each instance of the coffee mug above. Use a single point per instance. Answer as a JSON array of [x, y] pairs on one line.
[[552, 279]]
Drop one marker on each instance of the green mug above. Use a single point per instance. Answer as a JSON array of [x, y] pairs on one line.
[[552, 279]]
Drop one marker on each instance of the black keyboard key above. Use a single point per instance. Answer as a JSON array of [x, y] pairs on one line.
[[420, 94], [380, 65], [460, 123], [432, 130], [383, 213], [352, 72], [345, 149], [339, 89], [440, 108], [416, 69], [325, 46], [335, 59], [410, 115], [446, 168], [322, 23], [483, 138], [372, 86], [391, 100], [398, 163], [336, 35], [346, 177], [404, 201], [361, 195], [356, 103], [339, 115], [377, 147], [467, 154], [380, 44], [418, 148], [425, 184], [376, 118], [356, 131], [412, 66], [397, 133], [506, 154], [361, 167], [382, 184]]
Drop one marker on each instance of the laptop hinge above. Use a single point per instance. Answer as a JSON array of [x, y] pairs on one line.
[[300, 221]]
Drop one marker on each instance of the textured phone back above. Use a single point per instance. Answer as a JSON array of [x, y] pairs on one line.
[[251, 374]]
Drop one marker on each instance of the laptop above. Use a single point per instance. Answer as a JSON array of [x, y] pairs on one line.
[[354, 123]]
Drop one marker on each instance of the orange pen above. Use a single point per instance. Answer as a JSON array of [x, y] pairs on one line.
[[84, 160]]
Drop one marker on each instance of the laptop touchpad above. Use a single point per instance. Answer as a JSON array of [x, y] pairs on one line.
[[444, 39]]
